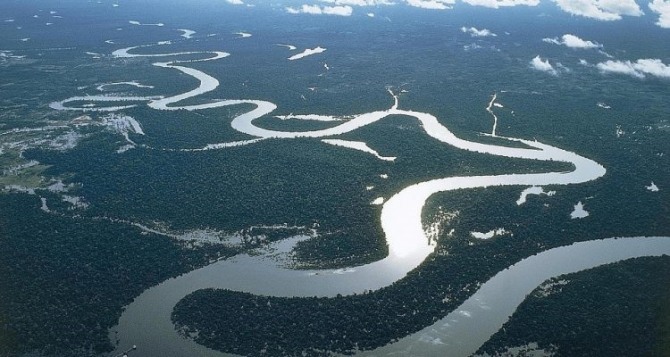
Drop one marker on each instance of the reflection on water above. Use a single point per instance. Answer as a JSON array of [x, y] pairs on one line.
[[146, 322], [468, 327]]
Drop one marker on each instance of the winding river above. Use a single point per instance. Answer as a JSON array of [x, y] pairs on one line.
[[146, 321]]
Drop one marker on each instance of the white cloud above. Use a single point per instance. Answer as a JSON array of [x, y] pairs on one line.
[[661, 7], [474, 32], [539, 64], [554, 40], [572, 41], [321, 10], [604, 10], [620, 67], [501, 3], [432, 4], [621, 7], [639, 69], [235, 2], [338, 10], [360, 2]]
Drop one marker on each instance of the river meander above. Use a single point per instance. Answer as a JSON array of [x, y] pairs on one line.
[[146, 322]]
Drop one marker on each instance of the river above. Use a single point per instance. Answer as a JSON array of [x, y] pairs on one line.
[[146, 321]]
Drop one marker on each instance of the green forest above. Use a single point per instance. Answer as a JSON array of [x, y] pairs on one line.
[[68, 271], [621, 309], [64, 280]]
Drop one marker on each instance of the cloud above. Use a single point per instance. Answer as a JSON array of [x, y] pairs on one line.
[[338, 10], [474, 32], [554, 40], [604, 10], [620, 67], [432, 4], [639, 69], [501, 3], [539, 64], [235, 2], [661, 7], [321, 10], [360, 2], [572, 41]]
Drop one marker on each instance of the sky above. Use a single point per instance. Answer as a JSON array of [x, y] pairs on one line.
[[599, 10], [606, 11]]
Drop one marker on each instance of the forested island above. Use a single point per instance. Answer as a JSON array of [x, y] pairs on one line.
[[104, 197], [440, 285], [620, 309]]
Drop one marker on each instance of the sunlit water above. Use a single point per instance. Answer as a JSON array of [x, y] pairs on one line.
[[146, 322]]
